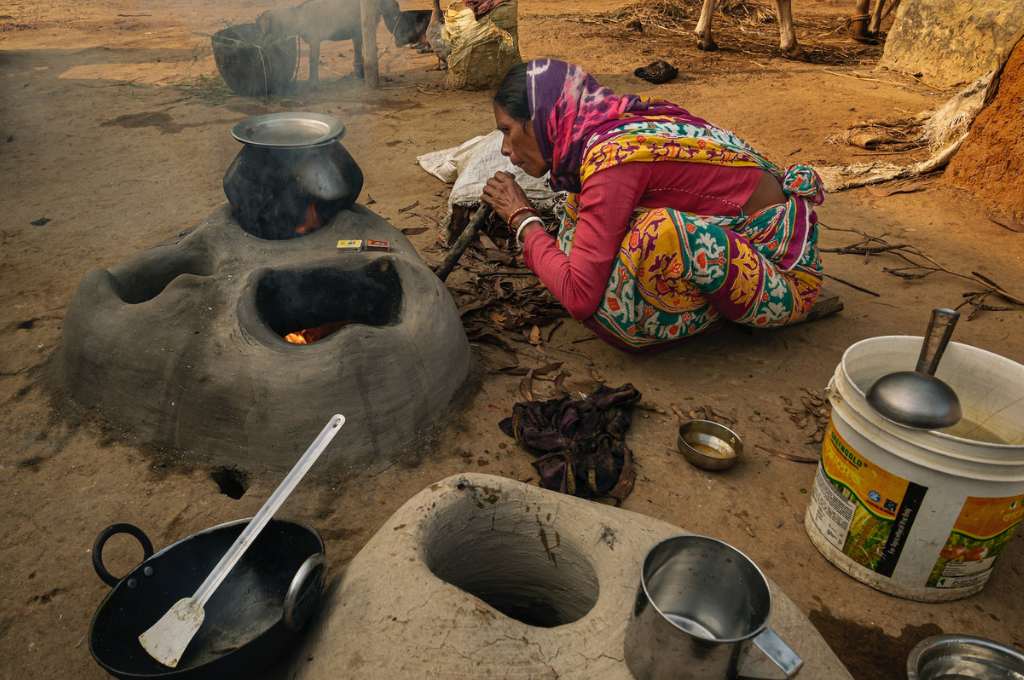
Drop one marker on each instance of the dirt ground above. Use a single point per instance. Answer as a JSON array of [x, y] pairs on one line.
[[114, 127]]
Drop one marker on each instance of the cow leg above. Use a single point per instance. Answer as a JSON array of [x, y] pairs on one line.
[[704, 40], [859, 22], [876, 19], [357, 65], [314, 62], [787, 34]]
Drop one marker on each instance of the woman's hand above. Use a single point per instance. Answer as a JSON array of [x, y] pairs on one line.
[[506, 197]]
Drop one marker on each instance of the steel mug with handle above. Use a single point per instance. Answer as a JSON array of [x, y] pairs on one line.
[[700, 604]]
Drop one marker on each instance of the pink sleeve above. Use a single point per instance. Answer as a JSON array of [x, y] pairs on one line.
[[605, 206]]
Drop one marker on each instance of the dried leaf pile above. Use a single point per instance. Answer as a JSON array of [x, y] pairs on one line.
[[814, 411], [503, 301], [705, 412], [667, 15]]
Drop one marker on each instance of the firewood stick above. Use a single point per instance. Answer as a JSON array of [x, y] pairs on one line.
[[461, 243], [998, 289], [852, 285]]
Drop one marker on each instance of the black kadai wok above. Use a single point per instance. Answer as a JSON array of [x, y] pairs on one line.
[[253, 619]]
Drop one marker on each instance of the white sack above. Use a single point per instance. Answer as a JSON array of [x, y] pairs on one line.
[[472, 163]]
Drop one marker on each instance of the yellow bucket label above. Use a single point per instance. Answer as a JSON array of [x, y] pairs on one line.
[[863, 510], [984, 527]]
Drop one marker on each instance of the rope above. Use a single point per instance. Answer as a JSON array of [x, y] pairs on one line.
[[263, 60]]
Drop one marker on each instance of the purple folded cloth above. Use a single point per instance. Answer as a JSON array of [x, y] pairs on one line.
[[580, 443]]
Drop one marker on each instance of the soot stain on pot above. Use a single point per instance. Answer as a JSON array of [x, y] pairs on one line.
[[868, 650]]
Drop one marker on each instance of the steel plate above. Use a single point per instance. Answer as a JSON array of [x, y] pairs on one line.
[[288, 130]]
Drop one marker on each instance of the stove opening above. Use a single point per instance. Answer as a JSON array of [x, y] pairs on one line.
[[306, 306], [148, 276], [494, 548]]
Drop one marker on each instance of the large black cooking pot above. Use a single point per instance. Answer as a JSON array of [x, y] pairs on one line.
[[252, 64], [291, 167], [252, 620]]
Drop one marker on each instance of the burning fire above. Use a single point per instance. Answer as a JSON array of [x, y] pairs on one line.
[[312, 221], [307, 336]]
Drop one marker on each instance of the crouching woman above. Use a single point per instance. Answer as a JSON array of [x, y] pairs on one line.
[[671, 223]]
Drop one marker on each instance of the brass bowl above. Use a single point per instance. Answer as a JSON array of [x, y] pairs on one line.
[[709, 445]]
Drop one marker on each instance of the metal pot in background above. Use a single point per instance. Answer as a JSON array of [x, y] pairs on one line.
[[962, 656], [292, 174], [253, 619], [700, 603], [252, 65]]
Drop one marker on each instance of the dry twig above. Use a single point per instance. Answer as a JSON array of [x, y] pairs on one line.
[[852, 285], [920, 265]]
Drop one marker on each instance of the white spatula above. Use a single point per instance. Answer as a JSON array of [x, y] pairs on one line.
[[168, 638]]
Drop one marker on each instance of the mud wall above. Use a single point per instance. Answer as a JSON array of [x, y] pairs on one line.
[[952, 41], [990, 164]]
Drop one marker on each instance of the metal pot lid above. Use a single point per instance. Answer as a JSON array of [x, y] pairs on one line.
[[964, 656], [293, 130]]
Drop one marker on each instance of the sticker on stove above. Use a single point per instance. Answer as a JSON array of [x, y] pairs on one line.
[[863, 510], [984, 527]]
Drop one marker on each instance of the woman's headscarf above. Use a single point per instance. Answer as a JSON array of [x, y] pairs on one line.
[[570, 109]]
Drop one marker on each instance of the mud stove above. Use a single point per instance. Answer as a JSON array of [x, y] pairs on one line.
[[238, 341]]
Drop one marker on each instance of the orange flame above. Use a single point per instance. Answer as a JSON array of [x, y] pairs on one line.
[[307, 336], [312, 221]]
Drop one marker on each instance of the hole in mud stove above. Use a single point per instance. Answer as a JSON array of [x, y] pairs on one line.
[[232, 482], [532, 575], [149, 278], [306, 306]]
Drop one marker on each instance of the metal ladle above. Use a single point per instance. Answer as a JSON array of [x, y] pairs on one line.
[[917, 398]]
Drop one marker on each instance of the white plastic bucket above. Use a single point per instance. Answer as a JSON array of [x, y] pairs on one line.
[[920, 514]]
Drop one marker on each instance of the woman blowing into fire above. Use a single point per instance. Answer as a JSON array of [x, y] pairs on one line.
[[671, 222]]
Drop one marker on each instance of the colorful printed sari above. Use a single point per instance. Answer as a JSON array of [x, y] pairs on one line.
[[676, 272]]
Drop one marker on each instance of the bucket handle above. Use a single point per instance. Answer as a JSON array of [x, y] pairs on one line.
[[101, 541], [831, 393]]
